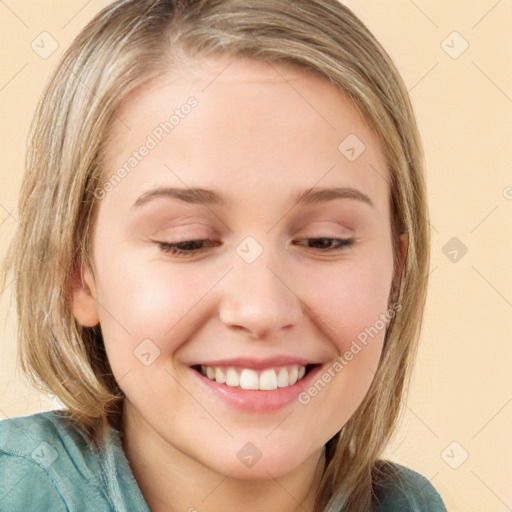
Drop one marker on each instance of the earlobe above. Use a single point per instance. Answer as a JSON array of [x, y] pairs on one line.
[[83, 298]]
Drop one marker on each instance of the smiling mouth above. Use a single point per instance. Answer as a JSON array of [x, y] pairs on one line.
[[247, 378]]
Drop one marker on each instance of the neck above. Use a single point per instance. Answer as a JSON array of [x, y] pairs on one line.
[[172, 481]]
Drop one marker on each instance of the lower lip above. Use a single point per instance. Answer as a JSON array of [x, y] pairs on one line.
[[260, 401]]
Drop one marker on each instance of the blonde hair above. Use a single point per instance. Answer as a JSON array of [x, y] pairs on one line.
[[129, 43]]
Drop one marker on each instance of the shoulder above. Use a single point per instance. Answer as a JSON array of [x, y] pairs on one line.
[[45, 464], [406, 490]]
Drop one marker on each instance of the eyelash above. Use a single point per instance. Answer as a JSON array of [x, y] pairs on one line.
[[175, 250]]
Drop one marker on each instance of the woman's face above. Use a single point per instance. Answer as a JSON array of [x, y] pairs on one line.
[[263, 299]]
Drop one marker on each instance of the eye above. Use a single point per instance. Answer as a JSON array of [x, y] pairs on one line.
[[192, 247], [324, 244], [186, 248]]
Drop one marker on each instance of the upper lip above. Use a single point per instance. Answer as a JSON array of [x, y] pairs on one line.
[[257, 364]]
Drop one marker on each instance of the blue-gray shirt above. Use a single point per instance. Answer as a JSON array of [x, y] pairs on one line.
[[46, 465]]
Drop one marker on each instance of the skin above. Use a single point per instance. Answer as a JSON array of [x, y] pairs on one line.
[[258, 138]]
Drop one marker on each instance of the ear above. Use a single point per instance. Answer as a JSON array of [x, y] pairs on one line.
[[83, 297], [404, 244]]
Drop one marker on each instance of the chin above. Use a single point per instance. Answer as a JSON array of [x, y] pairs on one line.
[[249, 463]]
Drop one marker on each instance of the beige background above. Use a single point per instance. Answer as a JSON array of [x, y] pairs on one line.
[[462, 390]]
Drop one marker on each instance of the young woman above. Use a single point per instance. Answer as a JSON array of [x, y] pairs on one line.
[[222, 265]]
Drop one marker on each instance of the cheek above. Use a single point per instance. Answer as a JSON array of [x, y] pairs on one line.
[[348, 298], [149, 299], [349, 305]]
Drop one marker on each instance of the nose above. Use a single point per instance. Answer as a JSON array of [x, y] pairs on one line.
[[259, 299]]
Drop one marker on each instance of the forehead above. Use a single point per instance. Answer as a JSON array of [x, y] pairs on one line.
[[256, 126]]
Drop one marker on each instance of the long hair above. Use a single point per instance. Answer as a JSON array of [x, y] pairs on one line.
[[129, 43]]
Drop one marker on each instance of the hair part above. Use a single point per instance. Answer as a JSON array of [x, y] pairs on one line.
[[128, 44]]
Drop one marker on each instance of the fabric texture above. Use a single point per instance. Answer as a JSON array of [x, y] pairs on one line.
[[47, 465]]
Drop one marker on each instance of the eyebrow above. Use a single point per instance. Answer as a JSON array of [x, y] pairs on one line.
[[213, 197]]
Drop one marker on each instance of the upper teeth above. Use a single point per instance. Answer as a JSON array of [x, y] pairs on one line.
[[247, 378]]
